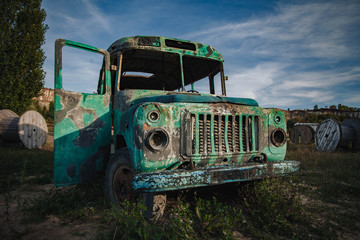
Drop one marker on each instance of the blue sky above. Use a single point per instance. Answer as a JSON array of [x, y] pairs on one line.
[[285, 54]]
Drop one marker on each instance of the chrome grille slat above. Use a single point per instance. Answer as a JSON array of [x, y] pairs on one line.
[[208, 134], [243, 134], [230, 134], [201, 134], [216, 133], [222, 134], [237, 133]]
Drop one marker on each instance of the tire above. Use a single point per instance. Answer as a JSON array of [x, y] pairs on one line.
[[118, 186], [118, 178]]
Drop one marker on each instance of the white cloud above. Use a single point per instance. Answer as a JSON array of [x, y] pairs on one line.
[[321, 79], [291, 57], [354, 99], [248, 82], [301, 53], [292, 31], [271, 84]]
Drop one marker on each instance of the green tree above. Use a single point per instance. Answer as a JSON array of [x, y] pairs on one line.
[[22, 31]]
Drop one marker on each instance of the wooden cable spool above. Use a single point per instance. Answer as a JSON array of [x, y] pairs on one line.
[[5, 113], [350, 135], [302, 134], [30, 128], [330, 135], [9, 125]]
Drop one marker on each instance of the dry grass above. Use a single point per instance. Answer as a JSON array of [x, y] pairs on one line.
[[321, 202]]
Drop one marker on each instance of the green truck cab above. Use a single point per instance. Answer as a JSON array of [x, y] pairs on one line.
[[161, 121]]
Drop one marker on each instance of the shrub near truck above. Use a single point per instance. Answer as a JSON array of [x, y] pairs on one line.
[[173, 125]]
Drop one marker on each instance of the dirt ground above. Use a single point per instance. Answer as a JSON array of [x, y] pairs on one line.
[[11, 226]]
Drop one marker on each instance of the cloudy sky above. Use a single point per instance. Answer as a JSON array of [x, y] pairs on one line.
[[286, 54]]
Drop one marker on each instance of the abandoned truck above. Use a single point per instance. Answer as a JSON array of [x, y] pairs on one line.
[[162, 103]]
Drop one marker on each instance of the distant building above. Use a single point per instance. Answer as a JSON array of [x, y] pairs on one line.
[[46, 96]]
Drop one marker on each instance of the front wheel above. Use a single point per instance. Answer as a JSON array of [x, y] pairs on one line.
[[118, 186], [118, 178]]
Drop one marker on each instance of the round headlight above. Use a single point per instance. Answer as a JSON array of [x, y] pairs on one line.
[[153, 116], [278, 119], [278, 137], [157, 139]]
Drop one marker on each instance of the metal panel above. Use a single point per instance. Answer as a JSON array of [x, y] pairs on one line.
[[82, 130], [181, 179], [222, 133]]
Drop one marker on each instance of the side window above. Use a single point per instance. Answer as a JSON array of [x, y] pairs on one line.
[[82, 71], [113, 70], [202, 86], [101, 88], [217, 84]]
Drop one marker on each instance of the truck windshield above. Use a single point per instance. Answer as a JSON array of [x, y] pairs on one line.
[[155, 70]]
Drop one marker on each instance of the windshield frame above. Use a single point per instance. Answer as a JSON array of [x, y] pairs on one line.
[[182, 86]]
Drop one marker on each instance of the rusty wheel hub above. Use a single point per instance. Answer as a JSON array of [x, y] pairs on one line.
[[122, 183]]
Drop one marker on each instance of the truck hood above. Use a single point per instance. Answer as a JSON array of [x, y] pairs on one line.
[[194, 98]]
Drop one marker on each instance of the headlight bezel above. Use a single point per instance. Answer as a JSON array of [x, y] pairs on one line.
[[153, 116], [157, 139], [278, 137]]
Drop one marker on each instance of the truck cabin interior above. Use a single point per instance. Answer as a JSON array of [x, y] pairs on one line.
[[157, 70]]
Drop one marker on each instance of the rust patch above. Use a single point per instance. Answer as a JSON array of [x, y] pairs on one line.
[[270, 169], [146, 126]]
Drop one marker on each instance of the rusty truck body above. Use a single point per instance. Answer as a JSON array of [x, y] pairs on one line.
[[162, 103]]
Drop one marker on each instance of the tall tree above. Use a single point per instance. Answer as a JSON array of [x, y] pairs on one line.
[[22, 31]]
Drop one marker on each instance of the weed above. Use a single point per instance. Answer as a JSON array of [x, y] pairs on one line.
[[217, 218], [334, 190], [322, 201], [274, 206], [128, 222], [182, 222], [19, 165], [75, 202]]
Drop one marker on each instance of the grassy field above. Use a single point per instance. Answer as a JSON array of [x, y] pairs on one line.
[[321, 202]]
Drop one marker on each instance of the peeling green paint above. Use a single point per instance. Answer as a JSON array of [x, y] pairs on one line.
[[201, 139], [82, 130], [159, 44], [182, 179]]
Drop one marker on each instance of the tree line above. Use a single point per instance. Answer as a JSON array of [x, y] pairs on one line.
[[22, 31]]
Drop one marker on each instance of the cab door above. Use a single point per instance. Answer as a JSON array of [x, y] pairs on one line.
[[82, 129]]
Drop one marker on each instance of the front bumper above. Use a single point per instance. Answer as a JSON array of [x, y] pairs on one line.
[[182, 179]]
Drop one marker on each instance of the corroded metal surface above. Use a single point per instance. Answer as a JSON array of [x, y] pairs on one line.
[[160, 44], [246, 139], [181, 179], [82, 130], [187, 139]]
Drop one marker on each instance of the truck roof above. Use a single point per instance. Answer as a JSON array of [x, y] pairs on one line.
[[166, 44]]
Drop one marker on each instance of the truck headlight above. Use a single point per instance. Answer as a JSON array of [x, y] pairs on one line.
[[153, 116], [157, 139], [278, 137]]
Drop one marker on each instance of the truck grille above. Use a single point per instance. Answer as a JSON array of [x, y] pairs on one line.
[[214, 134]]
